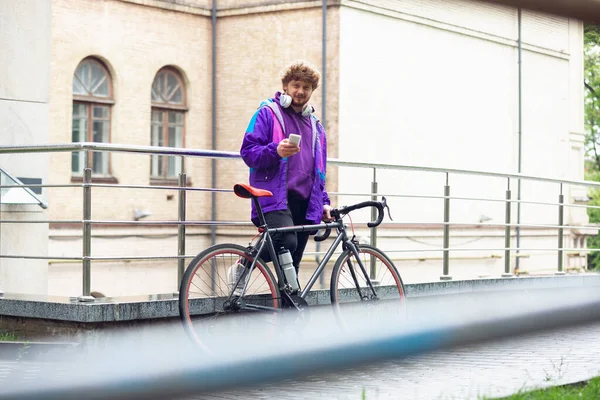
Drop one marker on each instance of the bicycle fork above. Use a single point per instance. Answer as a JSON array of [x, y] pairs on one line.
[[353, 249]]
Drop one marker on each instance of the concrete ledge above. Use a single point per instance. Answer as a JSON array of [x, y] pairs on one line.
[[140, 308], [503, 284], [101, 310]]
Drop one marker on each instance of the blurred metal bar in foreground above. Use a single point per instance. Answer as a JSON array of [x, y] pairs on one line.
[[161, 364], [586, 10]]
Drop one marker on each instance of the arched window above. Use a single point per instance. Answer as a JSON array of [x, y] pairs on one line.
[[168, 122], [92, 100]]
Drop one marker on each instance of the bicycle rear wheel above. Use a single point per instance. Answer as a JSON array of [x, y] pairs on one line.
[[205, 294], [349, 286]]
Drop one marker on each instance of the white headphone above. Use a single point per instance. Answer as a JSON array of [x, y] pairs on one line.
[[286, 100]]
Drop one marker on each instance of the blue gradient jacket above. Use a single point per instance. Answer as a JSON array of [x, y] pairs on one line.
[[269, 171]]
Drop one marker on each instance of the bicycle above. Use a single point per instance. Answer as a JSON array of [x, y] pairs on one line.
[[231, 279]]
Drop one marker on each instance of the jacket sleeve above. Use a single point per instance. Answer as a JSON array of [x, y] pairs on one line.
[[258, 151], [326, 199]]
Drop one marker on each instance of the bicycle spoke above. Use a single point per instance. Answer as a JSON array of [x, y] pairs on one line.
[[383, 276], [213, 275]]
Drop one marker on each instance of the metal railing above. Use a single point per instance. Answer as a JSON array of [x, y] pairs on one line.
[[87, 222]]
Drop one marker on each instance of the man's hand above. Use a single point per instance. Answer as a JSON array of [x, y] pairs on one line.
[[286, 149], [327, 213]]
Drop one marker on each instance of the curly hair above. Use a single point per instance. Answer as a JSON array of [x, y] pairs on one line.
[[301, 71]]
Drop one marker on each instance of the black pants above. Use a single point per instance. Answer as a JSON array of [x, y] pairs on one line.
[[295, 242]]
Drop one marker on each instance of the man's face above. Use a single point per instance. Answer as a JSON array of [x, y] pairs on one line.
[[300, 91]]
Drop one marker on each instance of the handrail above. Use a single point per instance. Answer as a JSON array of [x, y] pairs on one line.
[[460, 171], [389, 195], [79, 146], [473, 225], [91, 146], [388, 251]]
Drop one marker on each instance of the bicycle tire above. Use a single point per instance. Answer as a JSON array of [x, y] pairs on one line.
[[205, 279], [387, 284]]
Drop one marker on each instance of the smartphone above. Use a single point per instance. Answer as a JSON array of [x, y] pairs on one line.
[[295, 139]]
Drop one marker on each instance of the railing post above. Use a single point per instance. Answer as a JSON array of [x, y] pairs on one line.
[[507, 273], [561, 200], [87, 230], [181, 229], [373, 272], [446, 263]]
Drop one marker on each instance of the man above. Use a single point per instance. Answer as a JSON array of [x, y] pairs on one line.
[[295, 174]]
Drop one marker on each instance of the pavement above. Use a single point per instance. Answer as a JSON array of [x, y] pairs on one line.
[[490, 370]]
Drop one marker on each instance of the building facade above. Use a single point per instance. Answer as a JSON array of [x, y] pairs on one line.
[[416, 82]]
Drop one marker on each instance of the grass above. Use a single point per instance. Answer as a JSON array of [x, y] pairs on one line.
[[589, 390], [23, 351], [580, 391], [8, 336]]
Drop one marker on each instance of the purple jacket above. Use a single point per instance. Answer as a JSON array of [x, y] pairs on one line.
[[269, 171]]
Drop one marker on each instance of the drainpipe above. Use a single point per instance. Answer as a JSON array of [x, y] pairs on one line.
[[213, 194], [520, 133], [324, 102], [324, 65]]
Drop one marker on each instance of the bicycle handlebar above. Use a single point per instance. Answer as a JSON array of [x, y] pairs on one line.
[[320, 238], [380, 205], [337, 213]]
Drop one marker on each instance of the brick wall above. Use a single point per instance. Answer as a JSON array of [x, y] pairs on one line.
[[134, 42]]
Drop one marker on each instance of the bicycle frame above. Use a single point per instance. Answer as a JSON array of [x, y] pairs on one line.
[[266, 240]]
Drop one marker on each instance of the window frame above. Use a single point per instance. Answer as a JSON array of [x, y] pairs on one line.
[[90, 102], [165, 108]]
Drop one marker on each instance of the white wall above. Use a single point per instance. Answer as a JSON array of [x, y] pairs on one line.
[[25, 44], [435, 83]]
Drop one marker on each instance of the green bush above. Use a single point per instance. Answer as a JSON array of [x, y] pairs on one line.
[[593, 242]]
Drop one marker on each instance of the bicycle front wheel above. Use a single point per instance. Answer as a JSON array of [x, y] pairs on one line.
[[350, 286], [208, 292]]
